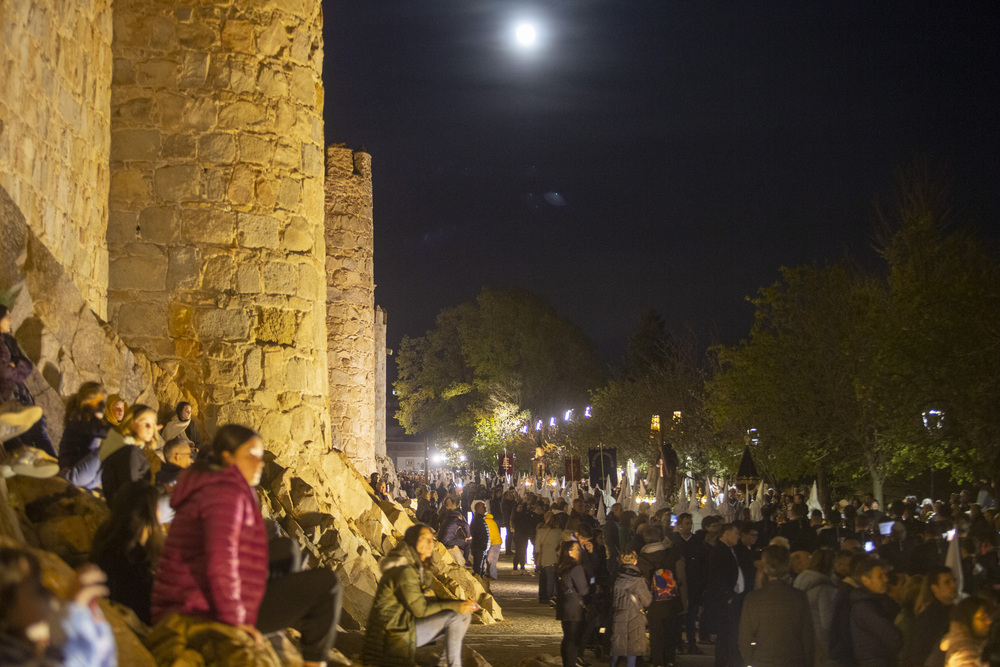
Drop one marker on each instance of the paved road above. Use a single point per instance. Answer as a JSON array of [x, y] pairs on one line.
[[530, 629]]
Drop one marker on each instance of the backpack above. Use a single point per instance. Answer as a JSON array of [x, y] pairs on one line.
[[663, 585]]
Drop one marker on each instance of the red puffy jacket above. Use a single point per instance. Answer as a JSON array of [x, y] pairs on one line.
[[214, 562]]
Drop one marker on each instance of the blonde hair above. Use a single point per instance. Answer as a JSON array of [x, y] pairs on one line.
[[628, 557], [132, 415]]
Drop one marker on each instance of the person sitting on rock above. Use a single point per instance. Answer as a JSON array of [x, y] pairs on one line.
[[121, 453], [403, 617], [214, 562], [114, 410], [27, 618], [15, 367], [454, 531], [128, 545], [182, 424], [85, 429]]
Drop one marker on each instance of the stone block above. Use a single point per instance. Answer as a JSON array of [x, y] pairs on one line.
[[272, 38], [179, 320], [298, 236], [275, 326], [206, 225], [200, 113], [241, 185], [194, 70], [196, 35], [141, 145], [289, 195], [139, 273], [179, 146], [258, 231], [218, 273], [252, 367], [158, 224], [256, 149], [157, 73], [272, 83], [248, 280], [177, 182], [312, 160], [241, 114], [224, 372], [280, 278], [140, 318], [303, 86], [182, 268], [237, 36], [121, 226], [129, 186], [264, 193], [220, 324], [288, 155], [217, 147], [276, 427]]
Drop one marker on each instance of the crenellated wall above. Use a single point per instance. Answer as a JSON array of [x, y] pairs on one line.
[[216, 209], [350, 304], [55, 92]]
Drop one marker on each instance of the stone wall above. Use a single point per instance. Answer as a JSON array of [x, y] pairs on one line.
[[216, 223], [350, 304], [55, 90]]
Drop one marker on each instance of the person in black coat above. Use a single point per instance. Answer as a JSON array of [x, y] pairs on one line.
[[127, 545], [875, 640], [522, 528], [85, 428], [930, 624], [776, 628], [480, 538], [571, 591], [662, 564], [726, 586], [695, 553]]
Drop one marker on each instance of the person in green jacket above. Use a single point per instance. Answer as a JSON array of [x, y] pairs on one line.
[[403, 617]]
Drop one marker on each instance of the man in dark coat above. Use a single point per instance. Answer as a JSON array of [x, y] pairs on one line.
[[874, 637], [480, 537], [931, 623], [776, 627], [726, 586], [695, 554]]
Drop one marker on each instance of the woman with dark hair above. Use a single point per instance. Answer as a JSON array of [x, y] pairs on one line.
[[85, 429], [548, 537], [122, 457], [214, 563], [571, 590], [81, 635], [128, 545], [181, 423], [404, 617]]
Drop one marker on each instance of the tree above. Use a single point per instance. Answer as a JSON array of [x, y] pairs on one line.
[[810, 378], [487, 366], [945, 291], [661, 376]]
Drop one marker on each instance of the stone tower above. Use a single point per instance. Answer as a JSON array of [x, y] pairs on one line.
[[350, 304], [215, 231]]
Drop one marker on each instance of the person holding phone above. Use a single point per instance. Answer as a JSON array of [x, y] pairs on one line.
[[403, 617]]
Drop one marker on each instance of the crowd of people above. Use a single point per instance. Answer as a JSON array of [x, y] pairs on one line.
[[773, 583], [852, 585]]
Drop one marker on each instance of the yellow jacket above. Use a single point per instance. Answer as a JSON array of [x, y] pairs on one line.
[[494, 529]]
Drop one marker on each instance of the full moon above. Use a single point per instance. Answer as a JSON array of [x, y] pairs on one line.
[[526, 34]]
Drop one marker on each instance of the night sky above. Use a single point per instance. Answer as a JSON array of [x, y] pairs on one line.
[[664, 154]]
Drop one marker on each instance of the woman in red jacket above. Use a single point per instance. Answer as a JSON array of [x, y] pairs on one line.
[[214, 563]]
